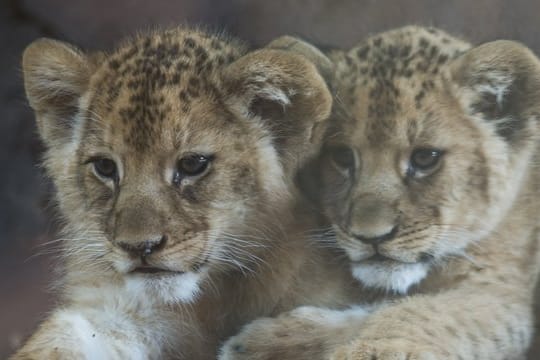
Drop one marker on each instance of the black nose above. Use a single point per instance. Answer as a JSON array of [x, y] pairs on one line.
[[143, 248], [376, 240]]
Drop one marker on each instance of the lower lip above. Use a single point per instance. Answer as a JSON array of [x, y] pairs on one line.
[[378, 258], [155, 271], [381, 259], [375, 259]]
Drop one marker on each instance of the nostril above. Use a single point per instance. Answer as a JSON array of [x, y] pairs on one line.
[[375, 240], [143, 248], [128, 247], [160, 244], [153, 245]]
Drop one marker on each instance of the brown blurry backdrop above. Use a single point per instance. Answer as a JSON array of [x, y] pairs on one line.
[[25, 208]]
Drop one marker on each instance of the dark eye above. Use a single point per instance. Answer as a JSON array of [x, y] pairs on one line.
[[105, 168], [425, 159], [342, 156], [193, 165]]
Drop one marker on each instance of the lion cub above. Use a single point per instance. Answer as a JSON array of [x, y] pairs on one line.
[[172, 158], [430, 178]]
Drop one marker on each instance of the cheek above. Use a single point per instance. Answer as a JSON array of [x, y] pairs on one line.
[[465, 193], [197, 193], [430, 201], [244, 181], [98, 196], [452, 199]]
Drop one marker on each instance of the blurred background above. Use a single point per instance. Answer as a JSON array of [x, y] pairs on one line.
[[26, 212]]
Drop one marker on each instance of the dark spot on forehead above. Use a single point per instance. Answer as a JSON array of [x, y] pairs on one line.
[[442, 58], [405, 51], [412, 130], [216, 45], [200, 53], [147, 68], [413, 56], [189, 42], [194, 82], [418, 98], [184, 97], [114, 64], [220, 60], [362, 52]]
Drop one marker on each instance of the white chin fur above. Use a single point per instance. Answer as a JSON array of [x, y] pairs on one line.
[[169, 289], [396, 278]]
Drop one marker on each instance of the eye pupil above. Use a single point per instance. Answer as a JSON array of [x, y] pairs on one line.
[[424, 159], [193, 165], [342, 156], [105, 168]]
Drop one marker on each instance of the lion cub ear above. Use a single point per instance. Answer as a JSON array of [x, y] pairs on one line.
[[284, 91], [55, 77], [299, 46], [500, 82]]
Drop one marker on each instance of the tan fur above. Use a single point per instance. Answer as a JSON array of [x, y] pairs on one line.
[[460, 238], [226, 237]]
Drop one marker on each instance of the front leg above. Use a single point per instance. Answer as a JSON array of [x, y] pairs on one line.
[[307, 332], [89, 334], [454, 325]]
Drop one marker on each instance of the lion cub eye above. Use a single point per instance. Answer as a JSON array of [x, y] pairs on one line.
[[342, 156], [191, 165], [105, 168], [425, 159]]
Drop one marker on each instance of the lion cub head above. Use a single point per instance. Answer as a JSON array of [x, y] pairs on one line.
[[430, 142], [168, 152]]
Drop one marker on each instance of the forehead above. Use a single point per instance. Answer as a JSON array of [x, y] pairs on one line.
[[158, 88], [391, 84]]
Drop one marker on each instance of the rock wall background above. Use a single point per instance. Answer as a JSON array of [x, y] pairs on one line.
[[25, 209]]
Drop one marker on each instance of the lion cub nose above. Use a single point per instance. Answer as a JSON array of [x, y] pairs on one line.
[[373, 221], [143, 248], [376, 240]]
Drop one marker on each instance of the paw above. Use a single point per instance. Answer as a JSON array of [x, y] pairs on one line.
[[285, 337], [384, 350]]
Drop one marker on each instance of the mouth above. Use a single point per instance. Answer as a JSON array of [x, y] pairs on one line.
[[378, 258], [154, 270]]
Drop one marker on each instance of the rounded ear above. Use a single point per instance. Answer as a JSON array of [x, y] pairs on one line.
[[282, 90], [55, 77], [500, 82], [301, 47]]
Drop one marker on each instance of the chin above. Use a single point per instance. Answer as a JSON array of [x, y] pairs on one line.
[[170, 288], [391, 276]]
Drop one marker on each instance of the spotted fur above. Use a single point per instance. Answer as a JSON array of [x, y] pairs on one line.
[[161, 263], [455, 244]]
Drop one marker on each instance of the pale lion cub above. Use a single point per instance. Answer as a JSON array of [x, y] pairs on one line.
[[430, 179], [172, 157]]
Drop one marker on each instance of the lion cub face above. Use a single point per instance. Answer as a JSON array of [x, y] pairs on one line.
[[164, 153], [427, 152]]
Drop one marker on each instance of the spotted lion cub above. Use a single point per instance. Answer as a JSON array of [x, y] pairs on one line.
[[172, 158], [429, 177]]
